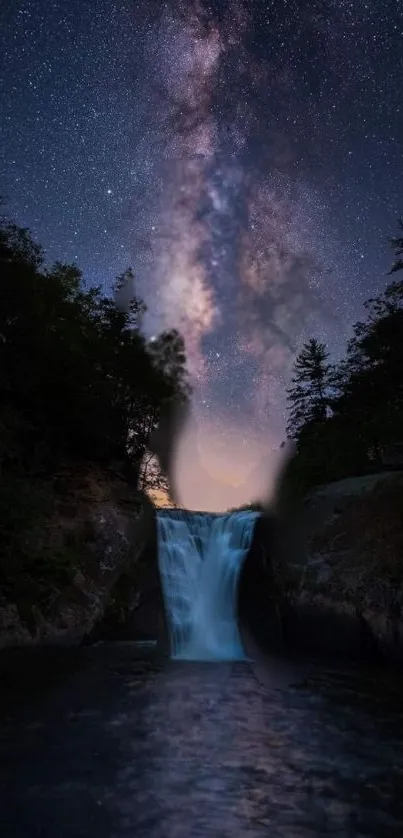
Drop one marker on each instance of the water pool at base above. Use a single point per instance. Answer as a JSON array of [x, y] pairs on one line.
[[120, 744]]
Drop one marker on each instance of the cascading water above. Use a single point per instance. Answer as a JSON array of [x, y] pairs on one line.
[[200, 558]]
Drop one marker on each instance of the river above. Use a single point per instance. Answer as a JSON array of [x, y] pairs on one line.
[[112, 741]]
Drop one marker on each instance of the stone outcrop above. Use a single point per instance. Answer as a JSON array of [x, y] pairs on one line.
[[328, 578], [345, 591], [135, 608], [106, 527]]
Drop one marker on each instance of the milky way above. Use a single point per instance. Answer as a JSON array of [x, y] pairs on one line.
[[231, 262], [239, 257], [244, 157]]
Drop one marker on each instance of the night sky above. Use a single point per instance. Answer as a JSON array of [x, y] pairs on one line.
[[246, 159]]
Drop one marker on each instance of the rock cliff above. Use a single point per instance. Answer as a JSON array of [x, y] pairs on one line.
[[344, 592], [65, 572]]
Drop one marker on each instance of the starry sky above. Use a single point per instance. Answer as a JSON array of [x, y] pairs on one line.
[[245, 158]]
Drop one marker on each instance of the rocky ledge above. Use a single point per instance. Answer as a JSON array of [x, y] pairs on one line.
[[90, 530], [343, 593]]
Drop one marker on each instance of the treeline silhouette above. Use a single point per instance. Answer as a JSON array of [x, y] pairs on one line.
[[344, 417], [80, 386], [78, 379]]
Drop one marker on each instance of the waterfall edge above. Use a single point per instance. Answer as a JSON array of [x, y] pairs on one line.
[[200, 557]]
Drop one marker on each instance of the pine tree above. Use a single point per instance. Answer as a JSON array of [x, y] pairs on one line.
[[308, 395]]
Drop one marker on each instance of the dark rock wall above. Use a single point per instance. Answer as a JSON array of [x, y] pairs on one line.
[[259, 598], [135, 609], [106, 525]]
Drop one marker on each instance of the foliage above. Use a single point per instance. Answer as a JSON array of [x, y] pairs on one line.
[[77, 377], [78, 382], [308, 395], [343, 416]]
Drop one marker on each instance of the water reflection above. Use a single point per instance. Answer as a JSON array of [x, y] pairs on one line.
[[221, 756], [127, 747]]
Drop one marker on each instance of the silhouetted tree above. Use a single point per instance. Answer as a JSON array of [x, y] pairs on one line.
[[308, 395], [371, 394], [364, 393], [78, 379]]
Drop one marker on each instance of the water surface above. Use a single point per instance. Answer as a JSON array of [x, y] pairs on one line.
[[116, 742]]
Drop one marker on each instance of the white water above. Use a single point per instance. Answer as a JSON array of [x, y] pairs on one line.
[[200, 558]]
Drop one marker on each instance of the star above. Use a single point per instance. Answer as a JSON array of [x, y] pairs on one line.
[[246, 163]]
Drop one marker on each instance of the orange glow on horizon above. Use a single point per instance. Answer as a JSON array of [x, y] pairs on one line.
[[215, 471]]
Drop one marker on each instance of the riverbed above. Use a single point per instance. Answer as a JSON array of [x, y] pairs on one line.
[[113, 741]]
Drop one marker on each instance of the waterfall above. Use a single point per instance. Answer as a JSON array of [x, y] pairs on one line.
[[200, 557]]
